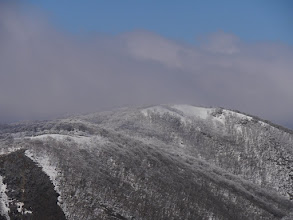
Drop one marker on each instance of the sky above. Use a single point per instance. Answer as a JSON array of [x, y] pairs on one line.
[[59, 57]]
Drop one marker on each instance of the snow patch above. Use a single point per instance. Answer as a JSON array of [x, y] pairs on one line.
[[18, 135], [9, 150], [188, 112], [78, 139], [193, 111], [21, 209], [61, 137], [262, 123], [4, 200], [220, 118], [19, 206], [201, 113], [236, 114], [238, 129], [161, 111]]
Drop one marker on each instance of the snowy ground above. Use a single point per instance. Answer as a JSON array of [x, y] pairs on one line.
[[4, 200]]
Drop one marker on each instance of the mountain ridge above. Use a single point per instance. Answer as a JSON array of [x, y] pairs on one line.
[[161, 153]]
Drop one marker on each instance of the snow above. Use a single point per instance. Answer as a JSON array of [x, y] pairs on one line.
[[18, 135], [193, 111], [21, 209], [156, 109], [203, 119], [44, 162], [78, 139], [61, 137], [188, 112], [4, 200], [19, 206], [161, 111], [50, 169], [263, 123], [205, 113], [236, 114], [9, 150], [238, 128]]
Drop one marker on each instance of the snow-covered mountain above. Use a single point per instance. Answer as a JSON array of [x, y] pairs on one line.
[[155, 162]]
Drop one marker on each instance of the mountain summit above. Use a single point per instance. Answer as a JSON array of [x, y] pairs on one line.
[[155, 162]]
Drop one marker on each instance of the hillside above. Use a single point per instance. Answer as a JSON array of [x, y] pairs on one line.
[[155, 162]]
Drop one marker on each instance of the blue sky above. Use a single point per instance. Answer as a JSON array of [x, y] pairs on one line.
[[251, 20]]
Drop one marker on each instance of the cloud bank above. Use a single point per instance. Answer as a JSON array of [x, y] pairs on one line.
[[46, 72]]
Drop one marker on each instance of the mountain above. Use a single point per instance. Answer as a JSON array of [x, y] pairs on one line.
[[154, 162]]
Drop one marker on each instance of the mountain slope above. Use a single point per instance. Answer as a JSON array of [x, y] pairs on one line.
[[158, 162]]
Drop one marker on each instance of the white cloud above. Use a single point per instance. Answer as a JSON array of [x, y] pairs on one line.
[[46, 72], [221, 42]]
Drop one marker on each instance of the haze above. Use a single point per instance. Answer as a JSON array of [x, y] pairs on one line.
[[48, 68]]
